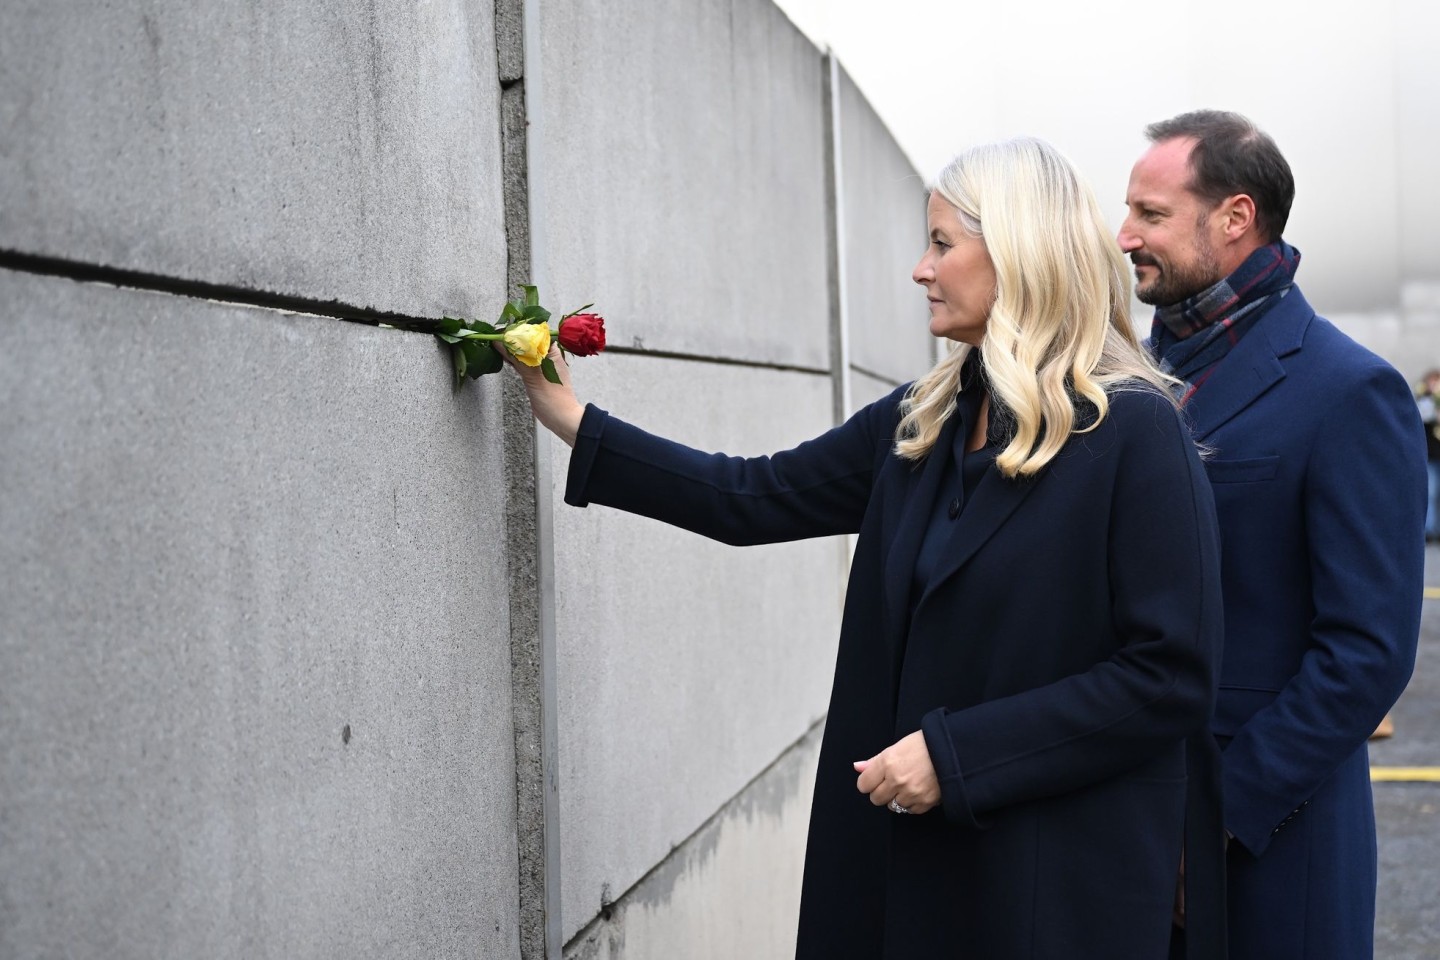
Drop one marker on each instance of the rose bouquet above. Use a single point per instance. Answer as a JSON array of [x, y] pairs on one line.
[[523, 331]]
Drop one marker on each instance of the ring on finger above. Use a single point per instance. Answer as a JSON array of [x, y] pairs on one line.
[[895, 807]]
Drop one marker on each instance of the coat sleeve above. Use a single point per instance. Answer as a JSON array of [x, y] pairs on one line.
[[1159, 685], [1364, 503], [818, 488]]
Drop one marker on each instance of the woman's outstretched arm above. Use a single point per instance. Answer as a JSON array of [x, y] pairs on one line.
[[819, 488]]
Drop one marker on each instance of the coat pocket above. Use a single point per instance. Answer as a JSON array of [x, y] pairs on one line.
[[1234, 706], [1242, 471]]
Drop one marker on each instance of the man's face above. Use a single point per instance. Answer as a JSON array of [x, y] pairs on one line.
[[1167, 232]]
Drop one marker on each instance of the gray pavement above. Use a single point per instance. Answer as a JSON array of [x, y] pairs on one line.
[[1408, 923]]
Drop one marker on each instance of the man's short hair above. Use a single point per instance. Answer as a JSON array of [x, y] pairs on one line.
[[1232, 156]]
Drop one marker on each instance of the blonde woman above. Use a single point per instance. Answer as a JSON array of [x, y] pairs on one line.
[[1023, 653]]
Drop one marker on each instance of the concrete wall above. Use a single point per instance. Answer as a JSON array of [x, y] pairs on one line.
[[686, 907], [685, 191], [681, 172], [296, 148], [281, 624], [885, 310], [247, 713], [253, 697]]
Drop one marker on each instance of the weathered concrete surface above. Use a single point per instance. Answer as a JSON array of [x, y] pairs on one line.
[[254, 669], [682, 171], [685, 666], [1407, 924], [865, 389], [883, 199], [301, 148], [731, 890]]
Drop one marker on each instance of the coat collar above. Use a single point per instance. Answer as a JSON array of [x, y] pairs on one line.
[[1253, 366], [989, 506], [910, 533], [986, 508]]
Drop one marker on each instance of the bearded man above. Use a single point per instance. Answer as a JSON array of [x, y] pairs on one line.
[[1317, 461]]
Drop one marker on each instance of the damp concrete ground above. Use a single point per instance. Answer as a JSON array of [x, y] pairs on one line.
[[1407, 925]]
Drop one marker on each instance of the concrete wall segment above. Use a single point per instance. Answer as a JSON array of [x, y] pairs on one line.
[[884, 200], [256, 684], [683, 176], [685, 666], [730, 890], [865, 389], [307, 149]]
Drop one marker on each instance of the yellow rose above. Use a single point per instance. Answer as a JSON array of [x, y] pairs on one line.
[[528, 342]]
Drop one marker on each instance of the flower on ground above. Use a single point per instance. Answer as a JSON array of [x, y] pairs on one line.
[[528, 342], [583, 334]]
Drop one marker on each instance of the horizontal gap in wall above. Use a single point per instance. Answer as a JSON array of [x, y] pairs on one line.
[[82, 272], [724, 361], [856, 368], [805, 737], [195, 289]]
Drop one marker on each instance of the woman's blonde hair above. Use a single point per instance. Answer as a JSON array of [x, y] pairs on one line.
[[1059, 329]]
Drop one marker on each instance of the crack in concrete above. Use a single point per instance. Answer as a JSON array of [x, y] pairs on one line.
[[127, 279]]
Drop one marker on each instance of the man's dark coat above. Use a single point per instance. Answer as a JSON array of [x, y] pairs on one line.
[[1057, 660], [1319, 479]]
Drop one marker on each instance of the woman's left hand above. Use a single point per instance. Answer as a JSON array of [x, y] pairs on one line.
[[901, 772]]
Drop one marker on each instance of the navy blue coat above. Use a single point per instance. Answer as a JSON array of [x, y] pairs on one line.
[[1319, 479], [1057, 660]]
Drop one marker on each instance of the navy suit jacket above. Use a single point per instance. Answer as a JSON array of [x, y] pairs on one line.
[[1057, 659], [1318, 471]]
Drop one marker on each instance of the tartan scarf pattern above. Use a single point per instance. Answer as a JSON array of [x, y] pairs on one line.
[[1190, 337]]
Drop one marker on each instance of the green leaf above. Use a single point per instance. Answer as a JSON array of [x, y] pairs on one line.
[[449, 325], [511, 312], [477, 359], [482, 326], [534, 313], [547, 367], [481, 357], [457, 355], [532, 295], [447, 338]]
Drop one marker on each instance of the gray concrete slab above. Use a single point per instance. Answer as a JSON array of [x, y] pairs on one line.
[[301, 148], [866, 389], [884, 235], [681, 171], [730, 890], [254, 663], [685, 666]]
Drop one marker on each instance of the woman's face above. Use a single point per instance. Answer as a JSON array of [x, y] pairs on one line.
[[957, 275]]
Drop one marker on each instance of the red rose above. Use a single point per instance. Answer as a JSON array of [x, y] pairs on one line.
[[583, 334]]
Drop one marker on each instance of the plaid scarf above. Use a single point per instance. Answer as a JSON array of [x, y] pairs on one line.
[[1190, 337]]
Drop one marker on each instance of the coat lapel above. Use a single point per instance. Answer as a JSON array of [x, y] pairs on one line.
[[910, 533], [1252, 367], [986, 509]]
